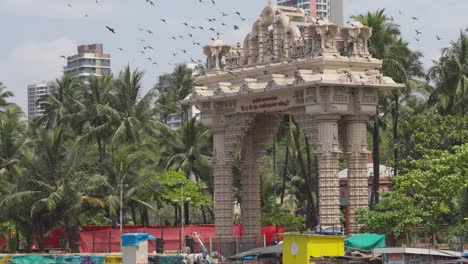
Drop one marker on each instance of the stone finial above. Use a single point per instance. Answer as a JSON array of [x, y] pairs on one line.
[[359, 36], [215, 53]]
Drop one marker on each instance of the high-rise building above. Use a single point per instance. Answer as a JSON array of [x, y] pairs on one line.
[[90, 61], [330, 9], [35, 93]]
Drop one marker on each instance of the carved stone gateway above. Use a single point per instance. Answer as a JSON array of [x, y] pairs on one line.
[[290, 63]]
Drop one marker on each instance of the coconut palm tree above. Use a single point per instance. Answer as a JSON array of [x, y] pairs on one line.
[[61, 106], [51, 181], [130, 114], [4, 95], [189, 150], [400, 63], [97, 97], [182, 81], [133, 172], [450, 75]]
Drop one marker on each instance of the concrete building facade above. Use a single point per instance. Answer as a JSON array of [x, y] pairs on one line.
[[89, 61], [35, 93], [290, 64], [330, 9]]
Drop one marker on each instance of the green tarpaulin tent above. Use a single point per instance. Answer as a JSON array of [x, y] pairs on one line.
[[364, 242]]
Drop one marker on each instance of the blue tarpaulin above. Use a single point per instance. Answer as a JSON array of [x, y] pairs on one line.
[[134, 239]]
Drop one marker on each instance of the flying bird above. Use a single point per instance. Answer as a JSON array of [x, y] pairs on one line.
[[184, 51], [237, 13], [120, 49], [438, 38], [236, 27], [110, 29], [224, 14], [213, 1], [414, 18], [417, 39], [68, 4], [163, 20], [174, 54], [196, 43], [62, 57], [418, 32]]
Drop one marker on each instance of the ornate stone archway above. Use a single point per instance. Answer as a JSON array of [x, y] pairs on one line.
[[290, 63]]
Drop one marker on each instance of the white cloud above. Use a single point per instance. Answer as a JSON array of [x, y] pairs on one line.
[[34, 62]]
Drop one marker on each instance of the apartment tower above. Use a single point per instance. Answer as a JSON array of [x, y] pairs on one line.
[[35, 93], [90, 61], [330, 9]]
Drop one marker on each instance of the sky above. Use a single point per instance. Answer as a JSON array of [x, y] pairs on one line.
[[35, 33]]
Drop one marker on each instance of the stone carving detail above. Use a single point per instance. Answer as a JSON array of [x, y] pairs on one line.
[[215, 53], [244, 88], [298, 80], [358, 35]]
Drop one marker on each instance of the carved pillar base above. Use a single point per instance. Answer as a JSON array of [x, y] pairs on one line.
[[327, 151], [356, 154]]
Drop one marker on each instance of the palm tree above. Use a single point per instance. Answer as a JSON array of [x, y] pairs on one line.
[[12, 141], [189, 150], [130, 114], [60, 106], [450, 74], [97, 97], [400, 63], [134, 170], [182, 81], [4, 95], [51, 184]]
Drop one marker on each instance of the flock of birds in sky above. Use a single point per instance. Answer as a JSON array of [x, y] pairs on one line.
[[213, 25]]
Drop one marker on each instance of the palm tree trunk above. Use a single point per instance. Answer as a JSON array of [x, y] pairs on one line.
[[274, 168], [313, 211], [176, 212], [186, 213], [285, 174], [17, 236], [395, 133], [376, 160], [305, 172], [132, 209], [145, 212], [204, 215]]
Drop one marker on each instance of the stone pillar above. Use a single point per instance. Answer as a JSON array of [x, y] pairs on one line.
[[356, 154], [228, 134], [327, 150], [222, 173], [254, 144]]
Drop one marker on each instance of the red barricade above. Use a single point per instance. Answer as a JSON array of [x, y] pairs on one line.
[[104, 239]]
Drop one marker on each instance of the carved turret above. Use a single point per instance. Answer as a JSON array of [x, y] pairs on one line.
[[359, 35], [215, 52]]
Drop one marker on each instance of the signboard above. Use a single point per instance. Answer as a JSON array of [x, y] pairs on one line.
[[264, 104]]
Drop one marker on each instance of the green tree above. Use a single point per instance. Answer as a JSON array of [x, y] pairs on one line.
[[61, 106], [422, 196], [400, 63], [189, 150], [450, 75]]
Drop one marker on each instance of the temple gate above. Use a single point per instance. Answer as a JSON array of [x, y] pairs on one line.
[[322, 75]]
